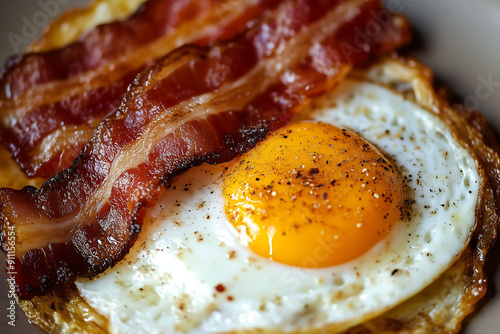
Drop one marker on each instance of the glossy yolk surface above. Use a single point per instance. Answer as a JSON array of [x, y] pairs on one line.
[[312, 195]]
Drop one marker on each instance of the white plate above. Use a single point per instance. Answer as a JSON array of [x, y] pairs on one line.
[[457, 38]]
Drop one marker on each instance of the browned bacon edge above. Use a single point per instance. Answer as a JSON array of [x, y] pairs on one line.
[[68, 91], [196, 105]]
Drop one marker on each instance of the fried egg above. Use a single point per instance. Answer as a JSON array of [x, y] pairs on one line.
[[359, 203]]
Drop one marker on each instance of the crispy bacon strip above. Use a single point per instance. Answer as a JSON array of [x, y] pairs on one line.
[[195, 105], [67, 92]]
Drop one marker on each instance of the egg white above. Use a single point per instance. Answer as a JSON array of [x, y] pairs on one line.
[[187, 272]]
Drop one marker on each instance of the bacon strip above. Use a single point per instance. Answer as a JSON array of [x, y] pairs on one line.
[[68, 91], [196, 105]]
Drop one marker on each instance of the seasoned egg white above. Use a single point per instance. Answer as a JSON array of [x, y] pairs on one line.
[[188, 272]]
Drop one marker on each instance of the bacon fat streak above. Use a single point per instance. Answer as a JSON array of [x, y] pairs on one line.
[[68, 91], [195, 105]]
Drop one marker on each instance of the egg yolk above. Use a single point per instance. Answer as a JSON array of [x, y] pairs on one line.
[[312, 195]]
